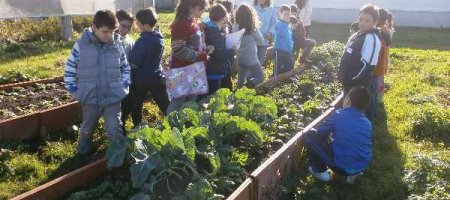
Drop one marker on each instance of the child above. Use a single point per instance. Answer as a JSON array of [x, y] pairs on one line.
[[283, 43], [305, 14], [219, 65], [299, 37], [146, 73], [125, 23], [343, 141], [188, 45], [247, 55], [361, 52], [267, 16], [97, 75], [226, 82], [377, 85]]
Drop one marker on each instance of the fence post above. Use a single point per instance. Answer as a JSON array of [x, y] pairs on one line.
[[66, 28]]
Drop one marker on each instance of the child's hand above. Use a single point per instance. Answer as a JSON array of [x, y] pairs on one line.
[[209, 49]]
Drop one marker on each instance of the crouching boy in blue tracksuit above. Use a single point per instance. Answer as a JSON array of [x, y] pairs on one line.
[[343, 142], [97, 75]]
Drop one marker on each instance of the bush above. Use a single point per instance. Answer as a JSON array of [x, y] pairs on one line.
[[432, 122]]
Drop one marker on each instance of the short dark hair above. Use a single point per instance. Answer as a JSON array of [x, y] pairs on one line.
[[383, 16], [293, 20], [105, 18], [124, 15], [217, 13], [228, 5], [370, 9], [147, 16], [359, 98], [285, 7], [294, 8], [268, 3]]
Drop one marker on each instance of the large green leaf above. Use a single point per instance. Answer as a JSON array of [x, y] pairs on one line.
[[116, 152]]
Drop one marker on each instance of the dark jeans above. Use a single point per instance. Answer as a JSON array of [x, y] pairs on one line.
[[320, 153], [133, 103], [283, 62], [227, 83], [213, 86], [371, 112]]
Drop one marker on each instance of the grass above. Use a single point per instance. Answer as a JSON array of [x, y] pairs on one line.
[[410, 160]]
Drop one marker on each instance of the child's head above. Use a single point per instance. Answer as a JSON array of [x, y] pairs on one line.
[[104, 24], [263, 3], [228, 5], [247, 18], [146, 19], [294, 10], [294, 22], [285, 13], [301, 3], [390, 20], [383, 16], [125, 22], [218, 14], [190, 9], [368, 17], [357, 97]]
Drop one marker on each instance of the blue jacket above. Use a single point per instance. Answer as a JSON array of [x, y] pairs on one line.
[[283, 37], [351, 132], [268, 17], [221, 60], [145, 58]]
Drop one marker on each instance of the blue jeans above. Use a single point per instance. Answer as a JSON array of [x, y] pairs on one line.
[[320, 153], [91, 115], [283, 62], [254, 72], [371, 112]]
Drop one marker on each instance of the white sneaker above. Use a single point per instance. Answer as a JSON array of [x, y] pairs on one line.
[[351, 179], [323, 176]]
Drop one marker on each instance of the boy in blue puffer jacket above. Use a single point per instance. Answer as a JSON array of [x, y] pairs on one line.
[[283, 43], [97, 75], [342, 142]]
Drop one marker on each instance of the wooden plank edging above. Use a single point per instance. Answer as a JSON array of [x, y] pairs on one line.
[[28, 83], [66, 183]]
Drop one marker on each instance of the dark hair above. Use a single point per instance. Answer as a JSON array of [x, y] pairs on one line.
[[359, 98], [247, 18], [267, 4], [147, 16], [370, 9], [217, 13], [293, 20], [124, 15], [105, 18], [184, 6], [390, 16], [383, 16], [301, 3], [294, 8], [228, 5], [285, 7]]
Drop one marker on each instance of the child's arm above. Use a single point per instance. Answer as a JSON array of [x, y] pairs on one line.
[[180, 35], [220, 54], [138, 53], [369, 56], [70, 70], [328, 126], [124, 67]]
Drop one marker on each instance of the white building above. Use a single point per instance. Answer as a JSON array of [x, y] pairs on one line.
[[418, 13]]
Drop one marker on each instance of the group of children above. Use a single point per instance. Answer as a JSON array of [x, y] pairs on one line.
[[110, 75], [342, 143]]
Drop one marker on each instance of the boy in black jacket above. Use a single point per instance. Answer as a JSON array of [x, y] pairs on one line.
[[146, 71], [218, 66], [361, 52], [300, 39]]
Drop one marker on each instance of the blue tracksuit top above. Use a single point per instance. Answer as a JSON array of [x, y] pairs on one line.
[[283, 37], [351, 132]]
